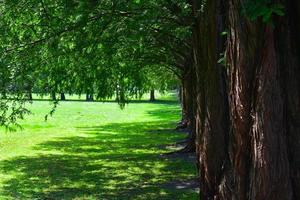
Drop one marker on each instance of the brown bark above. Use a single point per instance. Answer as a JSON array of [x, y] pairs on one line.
[[259, 107], [182, 101], [188, 106], [288, 52], [212, 115], [260, 157], [243, 58], [183, 124]]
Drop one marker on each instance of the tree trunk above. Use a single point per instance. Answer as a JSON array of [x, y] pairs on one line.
[[62, 96], [189, 109], [30, 95], [53, 96], [188, 105], [212, 123], [180, 95], [152, 95], [184, 98], [260, 157], [89, 97], [288, 54], [260, 75]]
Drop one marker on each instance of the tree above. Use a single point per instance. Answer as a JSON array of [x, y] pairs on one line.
[[237, 62], [211, 114], [92, 47], [267, 61], [157, 78]]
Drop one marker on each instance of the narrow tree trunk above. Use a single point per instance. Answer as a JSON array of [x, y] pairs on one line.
[[152, 95], [181, 100], [89, 97], [53, 96], [184, 110], [188, 105], [30, 95], [180, 95], [28, 88], [184, 98], [62, 97]]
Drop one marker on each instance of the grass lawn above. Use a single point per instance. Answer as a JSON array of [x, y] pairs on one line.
[[93, 150]]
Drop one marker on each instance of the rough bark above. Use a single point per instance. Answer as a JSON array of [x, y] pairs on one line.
[[188, 106], [259, 157], [212, 114], [288, 55], [259, 106]]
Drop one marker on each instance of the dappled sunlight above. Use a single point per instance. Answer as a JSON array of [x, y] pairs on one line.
[[105, 161]]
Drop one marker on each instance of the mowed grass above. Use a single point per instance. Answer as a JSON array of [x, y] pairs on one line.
[[93, 150]]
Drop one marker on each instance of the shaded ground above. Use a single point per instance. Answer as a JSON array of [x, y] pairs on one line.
[[78, 159], [183, 184]]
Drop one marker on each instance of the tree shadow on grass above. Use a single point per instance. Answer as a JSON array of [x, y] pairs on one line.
[[113, 161]]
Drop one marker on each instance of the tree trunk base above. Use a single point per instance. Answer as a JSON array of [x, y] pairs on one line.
[[182, 142], [189, 147], [182, 125], [62, 97], [152, 95]]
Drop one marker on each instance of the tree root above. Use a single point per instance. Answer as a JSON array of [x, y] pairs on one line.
[[190, 147]]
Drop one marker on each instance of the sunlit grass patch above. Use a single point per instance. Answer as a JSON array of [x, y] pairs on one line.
[[92, 150]]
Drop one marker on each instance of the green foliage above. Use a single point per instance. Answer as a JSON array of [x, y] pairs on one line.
[[11, 111], [254, 9], [94, 47]]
